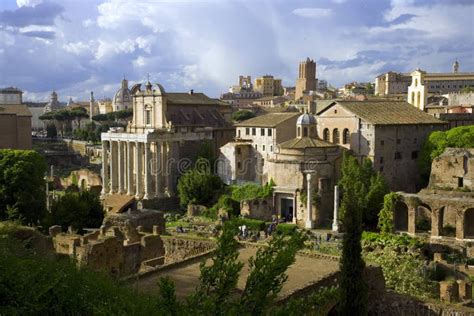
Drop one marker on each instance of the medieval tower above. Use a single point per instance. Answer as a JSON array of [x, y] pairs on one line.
[[306, 78]]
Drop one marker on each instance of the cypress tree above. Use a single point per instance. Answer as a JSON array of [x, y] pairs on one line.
[[353, 288]]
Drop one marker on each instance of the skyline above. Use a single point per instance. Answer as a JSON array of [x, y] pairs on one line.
[[74, 47]]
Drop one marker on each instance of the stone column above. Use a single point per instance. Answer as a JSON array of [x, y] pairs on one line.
[[138, 169], [164, 164], [411, 219], [105, 167], [295, 205], [309, 202], [130, 167], [147, 176], [173, 148], [121, 164], [159, 170], [335, 221], [436, 226], [113, 167], [460, 233]]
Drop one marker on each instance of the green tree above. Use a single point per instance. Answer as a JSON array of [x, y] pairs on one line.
[[437, 142], [77, 209], [268, 273], [386, 214], [242, 115], [198, 187], [353, 288], [218, 279], [22, 184], [370, 188]]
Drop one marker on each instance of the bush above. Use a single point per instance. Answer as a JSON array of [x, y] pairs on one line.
[[286, 229], [252, 191], [198, 187], [371, 240], [423, 224], [242, 115], [252, 224], [385, 223]]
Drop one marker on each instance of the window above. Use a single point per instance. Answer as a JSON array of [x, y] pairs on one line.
[[381, 159], [262, 132], [254, 131], [298, 131], [269, 132], [326, 134], [398, 155], [345, 136], [239, 165], [382, 143], [147, 116], [271, 149], [263, 147], [247, 131], [305, 132], [335, 136], [460, 182], [256, 147], [238, 133], [399, 141], [414, 155], [368, 143], [238, 150]]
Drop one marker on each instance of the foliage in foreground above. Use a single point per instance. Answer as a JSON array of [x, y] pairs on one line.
[[353, 287], [34, 285], [22, 186]]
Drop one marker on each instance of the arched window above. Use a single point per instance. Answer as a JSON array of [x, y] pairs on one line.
[[305, 132], [147, 115], [299, 131], [335, 136], [416, 82], [418, 100], [413, 97], [326, 135], [345, 136]]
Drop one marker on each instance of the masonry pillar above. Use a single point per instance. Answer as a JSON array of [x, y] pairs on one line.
[[411, 219], [147, 177], [173, 148], [138, 169], [121, 164], [113, 167], [159, 170], [164, 164], [309, 202], [435, 223], [460, 234], [335, 220], [130, 167], [105, 167]]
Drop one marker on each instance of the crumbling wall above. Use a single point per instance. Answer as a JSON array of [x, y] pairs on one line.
[[177, 249]]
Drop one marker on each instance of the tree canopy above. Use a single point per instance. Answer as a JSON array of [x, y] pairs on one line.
[[198, 187], [369, 188], [22, 185], [438, 141], [242, 115]]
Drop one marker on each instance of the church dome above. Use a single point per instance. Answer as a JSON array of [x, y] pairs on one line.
[[123, 97], [306, 119]]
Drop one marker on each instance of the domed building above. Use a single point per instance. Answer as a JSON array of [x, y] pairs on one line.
[[53, 103], [123, 97]]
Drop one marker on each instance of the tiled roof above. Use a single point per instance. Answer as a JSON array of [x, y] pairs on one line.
[[389, 112], [183, 98], [18, 109], [305, 142], [268, 120]]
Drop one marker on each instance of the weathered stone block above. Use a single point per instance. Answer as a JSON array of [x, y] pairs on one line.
[[465, 289], [449, 291]]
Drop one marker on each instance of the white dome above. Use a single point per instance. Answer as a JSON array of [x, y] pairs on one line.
[[306, 119]]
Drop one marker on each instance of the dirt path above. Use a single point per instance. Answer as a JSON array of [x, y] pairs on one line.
[[186, 278]]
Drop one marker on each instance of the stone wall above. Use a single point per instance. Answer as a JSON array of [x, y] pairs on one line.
[[177, 249], [257, 209]]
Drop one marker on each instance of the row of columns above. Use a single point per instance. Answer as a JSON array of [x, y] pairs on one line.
[[143, 169]]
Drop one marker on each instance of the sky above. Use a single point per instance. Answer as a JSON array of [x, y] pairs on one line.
[[78, 46]]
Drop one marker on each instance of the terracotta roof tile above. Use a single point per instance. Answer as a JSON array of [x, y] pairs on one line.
[[268, 120]]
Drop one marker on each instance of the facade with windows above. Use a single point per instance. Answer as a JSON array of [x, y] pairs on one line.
[[389, 133], [425, 84], [166, 128]]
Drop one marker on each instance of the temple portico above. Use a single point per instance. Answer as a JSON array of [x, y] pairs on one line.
[[142, 159]]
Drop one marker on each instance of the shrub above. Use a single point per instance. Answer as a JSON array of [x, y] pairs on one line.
[[286, 229], [386, 214], [198, 187], [252, 191], [252, 224], [423, 224]]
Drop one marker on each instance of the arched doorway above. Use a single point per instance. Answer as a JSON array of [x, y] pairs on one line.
[[469, 223], [423, 218], [400, 217], [83, 185]]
